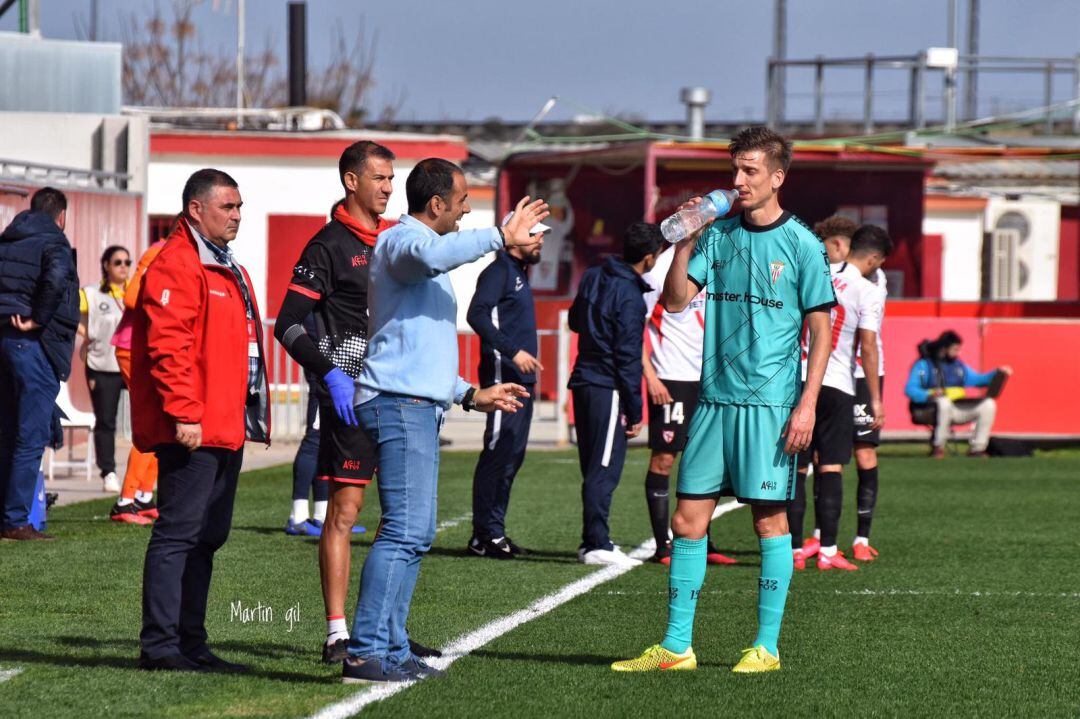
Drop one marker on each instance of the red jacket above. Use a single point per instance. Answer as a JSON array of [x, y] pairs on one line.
[[189, 350]]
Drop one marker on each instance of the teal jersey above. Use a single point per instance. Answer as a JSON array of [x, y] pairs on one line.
[[760, 282]]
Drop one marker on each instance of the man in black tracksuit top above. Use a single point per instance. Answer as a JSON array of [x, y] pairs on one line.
[[609, 315], [503, 315]]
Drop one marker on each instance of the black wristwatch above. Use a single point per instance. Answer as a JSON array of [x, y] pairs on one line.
[[467, 402]]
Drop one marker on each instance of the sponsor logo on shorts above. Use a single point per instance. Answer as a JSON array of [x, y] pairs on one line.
[[351, 464], [770, 486]]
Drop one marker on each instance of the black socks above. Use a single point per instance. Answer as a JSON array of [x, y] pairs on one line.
[[867, 498], [797, 510], [830, 497], [656, 496]]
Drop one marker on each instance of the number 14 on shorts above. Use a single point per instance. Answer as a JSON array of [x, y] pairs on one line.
[[674, 413]]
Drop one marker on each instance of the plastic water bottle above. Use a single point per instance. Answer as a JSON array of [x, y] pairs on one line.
[[687, 221]]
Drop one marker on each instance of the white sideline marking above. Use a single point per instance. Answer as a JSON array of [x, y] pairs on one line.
[[468, 643], [887, 593], [449, 523], [6, 674]]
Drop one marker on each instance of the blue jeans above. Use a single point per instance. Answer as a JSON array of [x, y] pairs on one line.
[[406, 431], [28, 389]]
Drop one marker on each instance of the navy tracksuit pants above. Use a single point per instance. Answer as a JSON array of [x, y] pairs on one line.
[[505, 440], [601, 441]]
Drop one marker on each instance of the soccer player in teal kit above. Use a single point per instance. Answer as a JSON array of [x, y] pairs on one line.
[[764, 273]]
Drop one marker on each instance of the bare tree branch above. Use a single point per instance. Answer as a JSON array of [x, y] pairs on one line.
[[165, 65]]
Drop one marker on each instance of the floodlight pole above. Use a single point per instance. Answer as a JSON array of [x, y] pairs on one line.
[[777, 86], [971, 88], [240, 15]]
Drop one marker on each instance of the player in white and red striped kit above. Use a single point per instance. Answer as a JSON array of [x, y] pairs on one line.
[[856, 323], [671, 360]]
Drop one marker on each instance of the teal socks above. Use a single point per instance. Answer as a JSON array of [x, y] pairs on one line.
[[776, 569], [684, 585]]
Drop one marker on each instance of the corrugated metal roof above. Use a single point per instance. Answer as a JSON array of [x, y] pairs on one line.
[[1010, 169]]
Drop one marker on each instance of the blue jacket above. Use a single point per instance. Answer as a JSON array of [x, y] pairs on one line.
[[609, 315], [412, 325], [38, 280], [503, 315], [927, 375]]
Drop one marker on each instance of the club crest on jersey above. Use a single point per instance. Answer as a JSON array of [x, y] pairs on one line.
[[669, 436], [775, 269]]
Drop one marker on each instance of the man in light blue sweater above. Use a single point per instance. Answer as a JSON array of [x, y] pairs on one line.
[[409, 379]]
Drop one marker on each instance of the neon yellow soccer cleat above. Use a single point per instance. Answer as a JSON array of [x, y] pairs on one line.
[[756, 660], [656, 658]]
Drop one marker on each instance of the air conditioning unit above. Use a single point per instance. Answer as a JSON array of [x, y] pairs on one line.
[[1022, 248]]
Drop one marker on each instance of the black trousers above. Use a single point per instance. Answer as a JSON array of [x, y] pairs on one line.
[[105, 397], [505, 440], [195, 501], [601, 441]]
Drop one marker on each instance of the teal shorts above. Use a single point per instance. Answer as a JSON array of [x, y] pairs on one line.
[[737, 451]]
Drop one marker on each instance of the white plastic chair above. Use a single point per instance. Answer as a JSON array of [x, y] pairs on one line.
[[76, 419]]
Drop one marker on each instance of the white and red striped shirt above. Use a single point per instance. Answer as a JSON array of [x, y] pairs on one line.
[[675, 339]]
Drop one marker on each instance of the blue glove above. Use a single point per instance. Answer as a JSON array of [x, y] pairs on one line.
[[341, 394]]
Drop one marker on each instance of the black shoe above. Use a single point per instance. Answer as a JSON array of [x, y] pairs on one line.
[[213, 663], [491, 548], [146, 509], [516, 549], [419, 669], [170, 663], [419, 650], [336, 652], [360, 671]]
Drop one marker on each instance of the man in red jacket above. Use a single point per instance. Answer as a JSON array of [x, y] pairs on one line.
[[198, 390]]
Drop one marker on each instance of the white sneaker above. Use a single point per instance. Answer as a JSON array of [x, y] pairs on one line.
[[112, 482], [614, 557]]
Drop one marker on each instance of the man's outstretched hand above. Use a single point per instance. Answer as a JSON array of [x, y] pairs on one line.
[[526, 215], [500, 397]]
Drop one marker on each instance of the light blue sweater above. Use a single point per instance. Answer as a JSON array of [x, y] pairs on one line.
[[412, 311]]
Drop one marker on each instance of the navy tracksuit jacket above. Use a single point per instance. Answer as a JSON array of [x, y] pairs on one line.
[[609, 316], [503, 315]]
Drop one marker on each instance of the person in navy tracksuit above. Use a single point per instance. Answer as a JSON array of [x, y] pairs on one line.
[[609, 316], [503, 315]]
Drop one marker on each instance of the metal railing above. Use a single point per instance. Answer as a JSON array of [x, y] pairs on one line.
[[67, 176], [289, 390], [918, 68]]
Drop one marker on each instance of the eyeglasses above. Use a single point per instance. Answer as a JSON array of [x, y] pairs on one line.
[[125, 263]]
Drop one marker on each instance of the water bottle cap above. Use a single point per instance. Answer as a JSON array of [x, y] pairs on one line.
[[723, 200]]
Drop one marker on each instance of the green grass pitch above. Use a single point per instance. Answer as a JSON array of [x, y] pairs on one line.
[[972, 609]]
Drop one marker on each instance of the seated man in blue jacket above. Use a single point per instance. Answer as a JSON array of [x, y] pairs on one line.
[[609, 315], [940, 377]]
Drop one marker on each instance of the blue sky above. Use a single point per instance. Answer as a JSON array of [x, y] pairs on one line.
[[474, 59]]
